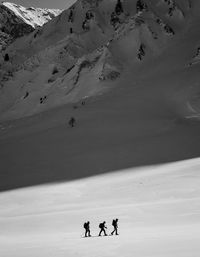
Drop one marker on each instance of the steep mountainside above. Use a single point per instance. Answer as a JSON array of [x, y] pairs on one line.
[[16, 20], [94, 45], [127, 71]]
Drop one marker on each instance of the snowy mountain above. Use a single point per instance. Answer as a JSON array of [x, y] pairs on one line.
[[16, 20], [128, 72], [88, 48], [32, 16]]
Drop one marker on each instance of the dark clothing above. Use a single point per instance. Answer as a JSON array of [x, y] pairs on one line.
[[115, 225], [102, 227], [87, 228], [87, 232]]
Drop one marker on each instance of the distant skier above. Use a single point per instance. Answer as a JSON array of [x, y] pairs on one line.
[[102, 226], [87, 228], [72, 122], [115, 225]]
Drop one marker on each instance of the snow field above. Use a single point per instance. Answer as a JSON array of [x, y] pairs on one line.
[[158, 209]]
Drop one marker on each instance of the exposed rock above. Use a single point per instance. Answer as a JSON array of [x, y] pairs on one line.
[[17, 21]]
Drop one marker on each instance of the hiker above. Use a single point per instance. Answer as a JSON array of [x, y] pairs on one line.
[[102, 226], [115, 225], [72, 122], [87, 228]]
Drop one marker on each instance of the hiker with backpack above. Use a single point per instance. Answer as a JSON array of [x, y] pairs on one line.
[[115, 225], [102, 226], [87, 228]]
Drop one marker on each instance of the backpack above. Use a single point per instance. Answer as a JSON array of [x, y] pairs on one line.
[[101, 225], [114, 223], [85, 225]]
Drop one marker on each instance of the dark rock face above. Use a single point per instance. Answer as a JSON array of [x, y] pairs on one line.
[[141, 6], [119, 8], [141, 52], [17, 21], [11, 27]]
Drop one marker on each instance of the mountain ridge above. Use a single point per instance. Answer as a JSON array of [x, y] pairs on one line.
[[31, 15], [89, 47], [17, 21]]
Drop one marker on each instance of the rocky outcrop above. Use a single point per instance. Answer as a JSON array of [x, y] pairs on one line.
[[17, 21]]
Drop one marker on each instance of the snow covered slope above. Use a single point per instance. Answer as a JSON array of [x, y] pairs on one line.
[[92, 45], [158, 209], [32, 16], [16, 21], [146, 58]]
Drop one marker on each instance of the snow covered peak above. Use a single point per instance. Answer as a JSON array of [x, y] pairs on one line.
[[32, 16], [17, 21]]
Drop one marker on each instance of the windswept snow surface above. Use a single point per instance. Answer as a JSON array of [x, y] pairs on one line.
[[158, 209], [151, 115]]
